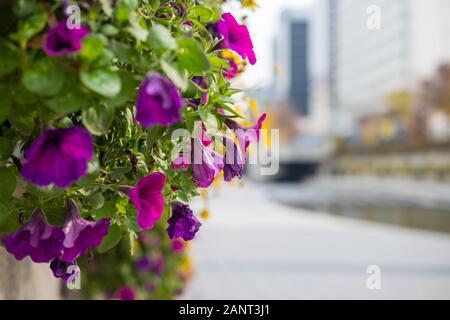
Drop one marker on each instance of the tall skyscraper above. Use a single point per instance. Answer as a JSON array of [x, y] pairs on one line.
[[292, 58], [369, 60]]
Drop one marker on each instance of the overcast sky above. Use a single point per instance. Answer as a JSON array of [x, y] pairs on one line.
[[263, 24]]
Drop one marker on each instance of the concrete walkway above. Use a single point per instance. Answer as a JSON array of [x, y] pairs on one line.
[[252, 248]]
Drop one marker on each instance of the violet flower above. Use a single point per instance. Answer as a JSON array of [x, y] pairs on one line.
[[62, 41], [182, 222], [81, 234], [181, 162], [143, 264], [246, 135], [206, 164], [38, 239], [234, 160], [58, 156], [148, 199], [59, 268], [159, 102], [231, 72], [236, 37]]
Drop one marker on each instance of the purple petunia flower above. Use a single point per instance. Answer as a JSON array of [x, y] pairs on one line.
[[206, 164], [246, 135], [181, 162], [81, 234], [59, 268], [236, 37], [148, 199], [144, 264], [177, 245], [127, 293], [38, 239], [231, 72], [159, 102], [234, 160], [58, 156], [62, 41], [158, 265], [182, 223], [202, 83]]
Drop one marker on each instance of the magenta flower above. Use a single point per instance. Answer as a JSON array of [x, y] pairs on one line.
[[182, 222], [127, 293], [231, 72], [38, 239], [62, 41], [206, 164], [177, 245], [81, 234], [236, 37], [246, 135], [148, 199], [159, 102], [58, 156], [181, 162], [59, 268], [234, 160]]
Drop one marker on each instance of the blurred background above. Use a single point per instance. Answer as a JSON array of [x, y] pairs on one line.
[[360, 208]]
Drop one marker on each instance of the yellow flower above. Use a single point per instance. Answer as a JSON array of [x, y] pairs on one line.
[[204, 214], [228, 54], [251, 4]]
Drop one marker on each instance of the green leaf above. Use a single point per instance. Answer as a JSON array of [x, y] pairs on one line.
[[201, 14], [22, 122], [9, 57], [107, 210], [8, 183], [30, 26], [192, 57], [72, 100], [92, 46], [154, 134], [102, 81], [174, 73], [127, 92], [6, 104], [6, 148], [96, 200], [44, 77], [98, 119], [160, 37], [8, 222], [112, 239], [124, 9]]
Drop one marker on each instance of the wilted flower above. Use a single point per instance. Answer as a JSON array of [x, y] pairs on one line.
[[148, 199], [38, 239], [234, 160], [236, 37], [58, 156], [182, 222], [206, 164], [159, 102], [62, 41], [81, 234]]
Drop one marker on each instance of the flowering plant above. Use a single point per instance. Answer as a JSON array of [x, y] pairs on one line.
[[92, 93]]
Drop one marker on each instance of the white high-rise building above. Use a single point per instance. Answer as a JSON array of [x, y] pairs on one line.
[[377, 46]]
